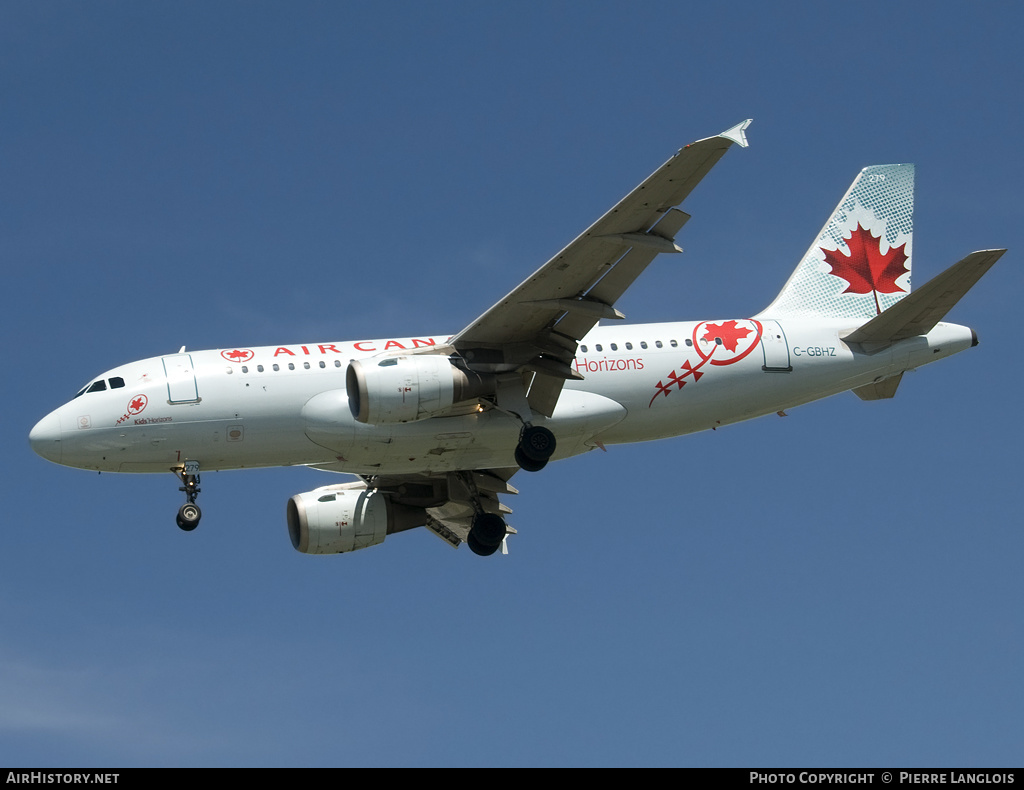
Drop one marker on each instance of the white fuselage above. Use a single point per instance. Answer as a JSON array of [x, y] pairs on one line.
[[288, 405]]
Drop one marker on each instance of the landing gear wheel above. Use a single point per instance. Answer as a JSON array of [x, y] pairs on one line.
[[188, 516], [477, 548], [487, 534], [537, 443], [528, 464]]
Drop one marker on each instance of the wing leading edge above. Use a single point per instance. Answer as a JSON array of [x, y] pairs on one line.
[[536, 328]]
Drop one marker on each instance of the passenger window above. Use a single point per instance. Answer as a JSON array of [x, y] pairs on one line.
[[245, 368], [657, 343], [673, 343], [98, 386], [291, 366], [276, 367], [583, 349], [337, 363], [259, 368], [323, 364], [643, 344], [718, 340], [614, 347], [689, 342], [305, 365], [629, 346], [116, 382], [598, 347]]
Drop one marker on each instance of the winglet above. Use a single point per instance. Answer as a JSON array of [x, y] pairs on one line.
[[736, 133]]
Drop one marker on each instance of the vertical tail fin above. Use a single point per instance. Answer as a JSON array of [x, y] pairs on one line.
[[860, 262]]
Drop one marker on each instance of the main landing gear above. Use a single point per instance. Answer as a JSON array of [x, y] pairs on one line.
[[189, 513], [536, 446], [486, 534]]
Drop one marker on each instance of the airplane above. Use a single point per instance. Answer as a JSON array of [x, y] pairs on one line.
[[434, 427]]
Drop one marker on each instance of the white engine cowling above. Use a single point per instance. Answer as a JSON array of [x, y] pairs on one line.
[[407, 388], [333, 520]]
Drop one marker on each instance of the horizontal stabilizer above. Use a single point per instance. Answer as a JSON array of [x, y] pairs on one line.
[[919, 312]]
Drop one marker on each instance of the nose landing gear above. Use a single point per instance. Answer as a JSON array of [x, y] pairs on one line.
[[189, 513]]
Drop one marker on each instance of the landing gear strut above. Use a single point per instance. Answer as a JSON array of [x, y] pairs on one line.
[[536, 446], [189, 513]]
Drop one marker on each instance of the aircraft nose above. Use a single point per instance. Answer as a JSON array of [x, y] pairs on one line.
[[45, 437]]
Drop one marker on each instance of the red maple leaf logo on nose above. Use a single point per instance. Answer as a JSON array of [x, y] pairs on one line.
[[866, 269], [137, 404]]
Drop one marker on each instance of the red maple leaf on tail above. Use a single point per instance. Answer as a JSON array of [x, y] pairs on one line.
[[866, 269]]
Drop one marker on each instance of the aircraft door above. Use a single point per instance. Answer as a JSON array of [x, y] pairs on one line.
[[775, 347], [181, 379]]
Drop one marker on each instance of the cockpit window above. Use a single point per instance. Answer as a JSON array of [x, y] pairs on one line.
[[81, 391], [97, 386], [116, 382]]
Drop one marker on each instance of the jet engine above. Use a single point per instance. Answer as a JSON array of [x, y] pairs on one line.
[[409, 388], [343, 518]]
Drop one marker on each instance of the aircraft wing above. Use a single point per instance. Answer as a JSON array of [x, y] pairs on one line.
[[536, 327]]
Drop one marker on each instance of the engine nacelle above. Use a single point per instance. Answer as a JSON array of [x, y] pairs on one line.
[[408, 388], [335, 519]]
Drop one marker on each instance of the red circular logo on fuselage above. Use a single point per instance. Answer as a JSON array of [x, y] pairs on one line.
[[238, 354], [137, 404], [726, 342]]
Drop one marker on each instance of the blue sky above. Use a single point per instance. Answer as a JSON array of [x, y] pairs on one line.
[[841, 587]]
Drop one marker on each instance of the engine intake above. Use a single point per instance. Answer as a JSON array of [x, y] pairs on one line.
[[409, 388], [334, 520]]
